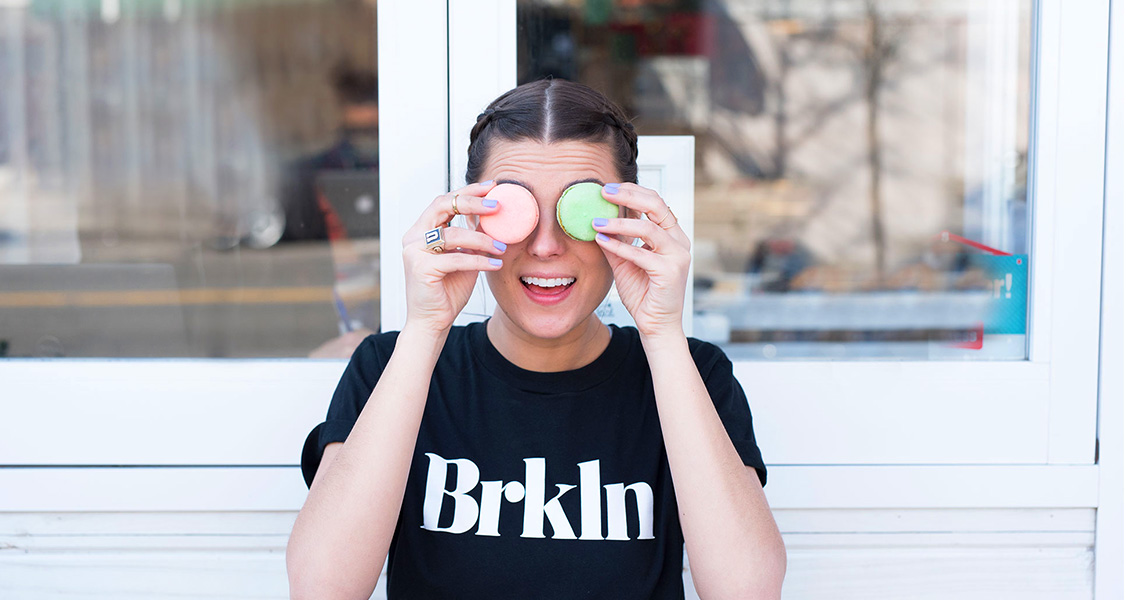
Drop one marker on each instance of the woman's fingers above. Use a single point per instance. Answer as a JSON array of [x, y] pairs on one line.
[[458, 261], [459, 243], [468, 240], [657, 239], [467, 200], [647, 260], [645, 201]]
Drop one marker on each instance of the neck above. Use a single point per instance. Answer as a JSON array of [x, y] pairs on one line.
[[576, 348]]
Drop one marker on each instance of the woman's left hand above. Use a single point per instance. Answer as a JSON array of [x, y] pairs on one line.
[[652, 278]]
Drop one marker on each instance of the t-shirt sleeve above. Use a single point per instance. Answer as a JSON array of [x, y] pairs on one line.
[[730, 403], [356, 384]]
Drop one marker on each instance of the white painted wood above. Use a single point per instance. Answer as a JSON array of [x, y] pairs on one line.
[[1077, 212], [667, 164], [789, 487], [481, 34], [932, 487], [898, 412], [1109, 556], [939, 573], [1042, 176], [953, 554], [1031, 573], [193, 412], [93, 489], [938, 520], [145, 575], [482, 67], [413, 132]]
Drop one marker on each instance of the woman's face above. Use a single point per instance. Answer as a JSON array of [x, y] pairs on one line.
[[523, 288]]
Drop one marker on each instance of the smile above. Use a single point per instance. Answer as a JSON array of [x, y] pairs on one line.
[[547, 290], [547, 283]]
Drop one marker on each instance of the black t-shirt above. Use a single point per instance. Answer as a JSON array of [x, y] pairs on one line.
[[536, 485]]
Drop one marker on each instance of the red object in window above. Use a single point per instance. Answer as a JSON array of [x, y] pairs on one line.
[[977, 342], [946, 236], [333, 226], [677, 34]]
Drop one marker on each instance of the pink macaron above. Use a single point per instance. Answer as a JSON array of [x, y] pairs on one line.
[[518, 215]]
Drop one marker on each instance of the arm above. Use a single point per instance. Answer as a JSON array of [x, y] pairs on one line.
[[733, 544], [342, 534]]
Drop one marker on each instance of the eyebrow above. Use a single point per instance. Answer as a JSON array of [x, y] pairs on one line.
[[529, 188]]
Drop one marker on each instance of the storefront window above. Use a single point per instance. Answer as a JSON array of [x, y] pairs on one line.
[[187, 179], [860, 166]]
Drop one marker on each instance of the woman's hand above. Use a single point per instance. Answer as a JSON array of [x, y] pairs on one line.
[[439, 284], [651, 279]]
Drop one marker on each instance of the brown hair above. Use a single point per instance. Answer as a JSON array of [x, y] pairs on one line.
[[554, 110]]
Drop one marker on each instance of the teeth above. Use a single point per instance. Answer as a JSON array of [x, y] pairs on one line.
[[548, 283]]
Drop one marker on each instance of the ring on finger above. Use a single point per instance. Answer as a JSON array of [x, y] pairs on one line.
[[435, 240], [661, 223], [454, 203]]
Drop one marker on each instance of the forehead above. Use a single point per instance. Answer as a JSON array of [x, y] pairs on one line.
[[548, 168]]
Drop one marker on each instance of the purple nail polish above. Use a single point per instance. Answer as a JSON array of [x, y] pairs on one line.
[[500, 245], [489, 202], [496, 262], [599, 222], [612, 188], [602, 237], [489, 182]]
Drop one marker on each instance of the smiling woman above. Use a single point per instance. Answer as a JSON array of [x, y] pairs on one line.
[[542, 392]]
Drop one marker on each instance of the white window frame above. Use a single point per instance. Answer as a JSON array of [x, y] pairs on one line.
[[836, 434]]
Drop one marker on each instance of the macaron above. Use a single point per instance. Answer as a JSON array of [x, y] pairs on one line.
[[517, 216], [579, 205]]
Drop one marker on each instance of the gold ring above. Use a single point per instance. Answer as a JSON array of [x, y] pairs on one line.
[[435, 240], [454, 202], [661, 223]]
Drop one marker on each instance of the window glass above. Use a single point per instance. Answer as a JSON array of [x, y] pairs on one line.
[[187, 179], [860, 166]]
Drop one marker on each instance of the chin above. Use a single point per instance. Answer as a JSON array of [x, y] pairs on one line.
[[551, 327]]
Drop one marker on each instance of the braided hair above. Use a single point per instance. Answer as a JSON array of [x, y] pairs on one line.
[[554, 110]]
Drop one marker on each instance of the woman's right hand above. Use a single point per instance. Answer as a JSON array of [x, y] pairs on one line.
[[439, 284]]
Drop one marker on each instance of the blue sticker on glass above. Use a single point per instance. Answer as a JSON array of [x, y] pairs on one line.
[[1008, 307]]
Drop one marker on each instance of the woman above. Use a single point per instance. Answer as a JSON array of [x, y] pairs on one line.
[[541, 454]]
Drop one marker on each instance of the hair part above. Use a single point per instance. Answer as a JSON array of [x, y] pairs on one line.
[[554, 110]]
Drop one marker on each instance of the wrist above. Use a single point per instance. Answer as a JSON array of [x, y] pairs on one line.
[[423, 338], [662, 341]]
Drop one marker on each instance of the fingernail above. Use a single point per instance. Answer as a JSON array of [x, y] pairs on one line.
[[602, 237], [489, 203], [612, 188], [600, 222], [500, 245], [489, 182], [496, 262]]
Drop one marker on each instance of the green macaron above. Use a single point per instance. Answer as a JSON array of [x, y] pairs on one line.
[[579, 205]]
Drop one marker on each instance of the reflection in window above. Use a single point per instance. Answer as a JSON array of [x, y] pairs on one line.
[[186, 178], [860, 166]]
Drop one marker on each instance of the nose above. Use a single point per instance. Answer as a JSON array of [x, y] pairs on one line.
[[548, 238]]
